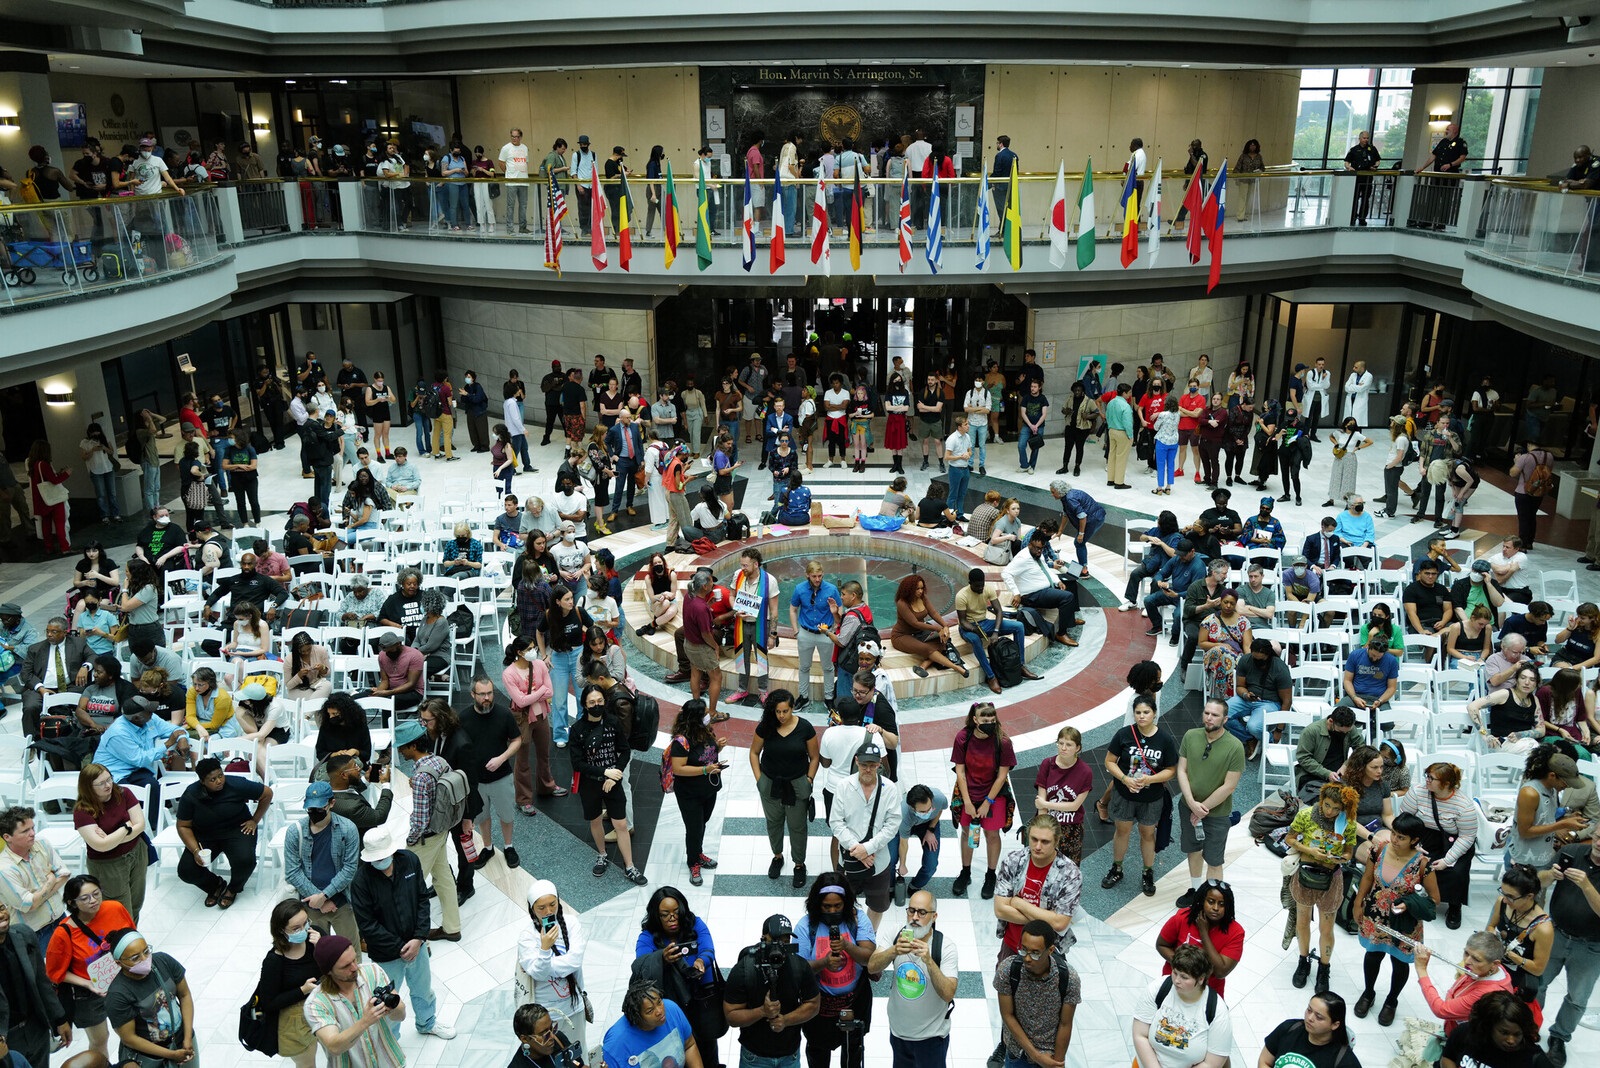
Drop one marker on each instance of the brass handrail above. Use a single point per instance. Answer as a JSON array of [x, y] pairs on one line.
[[67, 205]]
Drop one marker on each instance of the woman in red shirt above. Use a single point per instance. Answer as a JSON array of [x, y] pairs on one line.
[[1208, 923], [53, 516], [80, 957]]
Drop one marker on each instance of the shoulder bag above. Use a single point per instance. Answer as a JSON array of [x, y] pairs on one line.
[[854, 870]]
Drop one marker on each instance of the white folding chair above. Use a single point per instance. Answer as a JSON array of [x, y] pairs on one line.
[[1455, 686], [1562, 585], [52, 802], [1415, 685], [1408, 723], [1454, 733], [225, 749], [289, 762], [1133, 529], [1277, 758], [1358, 557], [1493, 837], [352, 672], [1422, 648], [380, 711]]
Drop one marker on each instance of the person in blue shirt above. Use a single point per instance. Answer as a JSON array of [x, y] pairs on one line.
[[1371, 675], [836, 935], [94, 624], [794, 502], [811, 617], [1262, 531], [1160, 543], [136, 743], [684, 940], [920, 812], [1172, 582], [17, 636], [1084, 517], [653, 1030], [403, 475], [1354, 526]]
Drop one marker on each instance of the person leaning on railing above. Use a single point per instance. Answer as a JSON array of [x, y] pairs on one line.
[[1584, 172]]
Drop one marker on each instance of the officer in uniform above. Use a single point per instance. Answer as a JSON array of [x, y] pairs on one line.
[[1362, 157]]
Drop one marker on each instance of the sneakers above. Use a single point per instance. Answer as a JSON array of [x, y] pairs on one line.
[[1126, 606], [737, 696], [636, 877], [512, 860], [1185, 900], [775, 869], [1302, 972], [438, 1030], [799, 880], [484, 856], [601, 863], [694, 875], [707, 862], [1112, 877], [1147, 883], [963, 881], [988, 884]]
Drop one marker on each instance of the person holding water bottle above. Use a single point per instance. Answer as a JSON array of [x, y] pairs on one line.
[[983, 758]]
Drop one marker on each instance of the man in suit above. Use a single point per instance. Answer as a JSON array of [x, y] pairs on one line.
[[1321, 549], [626, 446], [29, 1008], [59, 664]]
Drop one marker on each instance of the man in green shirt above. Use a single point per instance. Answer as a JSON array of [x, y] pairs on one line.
[[1119, 436], [1210, 761]]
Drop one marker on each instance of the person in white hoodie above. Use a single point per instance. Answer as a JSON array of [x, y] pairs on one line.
[[550, 953]]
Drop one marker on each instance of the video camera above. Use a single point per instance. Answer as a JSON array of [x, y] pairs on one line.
[[770, 958]]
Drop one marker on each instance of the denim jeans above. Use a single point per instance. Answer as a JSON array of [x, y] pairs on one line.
[[791, 218], [105, 493], [920, 1053], [1246, 718], [1582, 963], [1012, 627], [1018, 1061], [980, 438], [519, 442], [1155, 602], [417, 977], [732, 427], [1082, 547], [564, 677], [752, 1060], [1023, 436], [152, 486], [959, 477], [517, 205], [424, 428], [930, 860]]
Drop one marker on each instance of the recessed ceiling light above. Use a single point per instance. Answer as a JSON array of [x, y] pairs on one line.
[[1183, 64]]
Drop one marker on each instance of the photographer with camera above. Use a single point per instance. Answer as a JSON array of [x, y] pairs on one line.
[[838, 941], [866, 824], [683, 940], [541, 1045], [347, 1002], [393, 917], [771, 992], [920, 958]]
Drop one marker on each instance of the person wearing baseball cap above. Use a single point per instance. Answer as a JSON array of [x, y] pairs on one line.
[[400, 667], [582, 168], [865, 820], [411, 740], [772, 984], [616, 173], [393, 915], [373, 1037], [321, 855]]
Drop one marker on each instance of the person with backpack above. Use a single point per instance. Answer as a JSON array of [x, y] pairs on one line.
[[691, 772], [851, 629], [1181, 1022], [920, 958], [1039, 994], [1533, 468], [425, 409], [438, 809], [600, 753], [393, 915], [1318, 1039]]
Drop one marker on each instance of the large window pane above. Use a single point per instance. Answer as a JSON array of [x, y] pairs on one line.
[[1311, 126], [1522, 107], [1480, 121], [423, 111], [1389, 124], [1316, 77], [1396, 76], [1352, 113]]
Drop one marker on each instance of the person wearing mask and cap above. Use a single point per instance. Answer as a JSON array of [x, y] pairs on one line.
[[393, 916], [582, 167], [212, 819], [351, 1025], [771, 992], [1263, 530], [251, 169], [411, 740], [321, 853], [616, 185]]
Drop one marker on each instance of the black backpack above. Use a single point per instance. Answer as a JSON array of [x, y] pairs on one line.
[[738, 526], [461, 621], [646, 722], [1005, 658], [432, 408], [848, 662], [1064, 982], [1166, 988]]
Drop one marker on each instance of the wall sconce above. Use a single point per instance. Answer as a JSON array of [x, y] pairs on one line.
[[9, 123], [1439, 117], [260, 125], [65, 397]]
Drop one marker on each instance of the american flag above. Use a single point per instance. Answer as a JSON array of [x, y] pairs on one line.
[[552, 226]]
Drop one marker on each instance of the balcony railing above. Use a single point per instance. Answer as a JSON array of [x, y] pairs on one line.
[[1539, 226], [73, 248]]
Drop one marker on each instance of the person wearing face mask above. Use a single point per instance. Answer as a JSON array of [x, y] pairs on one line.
[[149, 1004], [695, 767], [321, 853], [600, 755], [80, 939], [474, 400], [289, 974]]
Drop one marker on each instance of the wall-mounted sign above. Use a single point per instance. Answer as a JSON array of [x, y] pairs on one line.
[[72, 125], [716, 124], [840, 75]]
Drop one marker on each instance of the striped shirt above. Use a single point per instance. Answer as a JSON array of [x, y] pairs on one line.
[[1457, 816], [377, 1046]]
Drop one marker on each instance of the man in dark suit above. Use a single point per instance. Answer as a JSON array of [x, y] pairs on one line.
[[29, 1008], [1321, 549], [59, 664], [626, 446]]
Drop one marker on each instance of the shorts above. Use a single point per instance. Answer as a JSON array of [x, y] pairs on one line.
[[876, 888], [997, 814], [574, 426], [1128, 810], [703, 657], [499, 798], [598, 802], [722, 485], [294, 1034], [1215, 847], [1188, 437], [89, 1008]]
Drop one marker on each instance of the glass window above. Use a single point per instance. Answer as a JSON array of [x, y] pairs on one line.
[[1311, 126], [1316, 77], [221, 117], [424, 112], [1396, 76], [1498, 108], [1351, 113]]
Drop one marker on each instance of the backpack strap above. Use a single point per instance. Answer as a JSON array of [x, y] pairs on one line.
[[1016, 973]]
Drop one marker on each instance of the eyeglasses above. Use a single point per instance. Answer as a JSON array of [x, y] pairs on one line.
[[914, 911], [668, 914], [1031, 954], [89, 897]]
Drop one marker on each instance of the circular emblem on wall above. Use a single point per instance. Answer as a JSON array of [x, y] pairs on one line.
[[839, 122], [117, 106]]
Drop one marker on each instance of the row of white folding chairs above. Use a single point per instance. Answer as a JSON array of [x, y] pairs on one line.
[[1417, 728]]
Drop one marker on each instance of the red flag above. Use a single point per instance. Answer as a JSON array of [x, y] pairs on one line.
[[597, 224], [1193, 201]]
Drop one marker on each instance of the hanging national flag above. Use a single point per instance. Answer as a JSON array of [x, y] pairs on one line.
[[819, 228], [670, 222], [1155, 215], [597, 227], [624, 231], [555, 212], [934, 249], [1193, 198], [1086, 229], [1058, 218], [747, 230], [905, 221], [1130, 216], [855, 223], [980, 227], [1011, 227], [1213, 213], [702, 223], [779, 225]]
